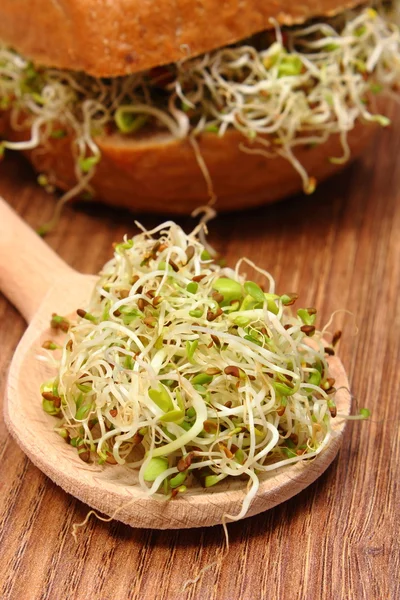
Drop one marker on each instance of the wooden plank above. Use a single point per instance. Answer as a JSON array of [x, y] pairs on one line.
[[340, 248]]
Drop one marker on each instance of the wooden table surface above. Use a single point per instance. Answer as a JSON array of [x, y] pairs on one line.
[[337, 540]]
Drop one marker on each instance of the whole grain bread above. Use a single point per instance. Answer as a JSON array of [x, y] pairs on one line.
[[106, 38]]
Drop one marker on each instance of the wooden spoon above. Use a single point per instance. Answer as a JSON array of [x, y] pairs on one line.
[[39, 283]]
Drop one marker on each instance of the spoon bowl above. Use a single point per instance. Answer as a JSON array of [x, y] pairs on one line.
[[49, 285]]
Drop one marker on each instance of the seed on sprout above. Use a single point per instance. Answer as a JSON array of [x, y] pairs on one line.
[[58, 322], [309, 330], [196, 313], [336, 337], [49, 345], [49, 407], [85, 315], [111, 459], [328, 384], [216, 340], [211, 316], [84, 453], [217, 297], [332, 408], [329, 351], [198, 278], [189, 253], [234, 371], [185, 462], [142, 303], [213, 371], [56, 400], [150, 321], [210, 426], [281, 410], [226, 450], [180, 490], [174, 265]]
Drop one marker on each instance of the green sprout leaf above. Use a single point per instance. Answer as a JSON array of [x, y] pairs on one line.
[[161, 398], [87, 164], [289, 66], [127, 121], [254, 291], [230, 289], [178, 479], [192, 287], [155, 467]]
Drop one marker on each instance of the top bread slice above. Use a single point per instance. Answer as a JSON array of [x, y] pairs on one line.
[[107, 38]]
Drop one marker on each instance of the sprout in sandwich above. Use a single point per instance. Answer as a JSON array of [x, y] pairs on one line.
[[188, 372], [281, 89]]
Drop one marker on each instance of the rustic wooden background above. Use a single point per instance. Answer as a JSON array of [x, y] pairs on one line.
[[339, 539]]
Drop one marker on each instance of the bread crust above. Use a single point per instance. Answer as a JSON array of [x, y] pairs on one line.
[[106, 38], [158, 173]]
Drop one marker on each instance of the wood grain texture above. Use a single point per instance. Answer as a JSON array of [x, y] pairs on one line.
[[339, 539]]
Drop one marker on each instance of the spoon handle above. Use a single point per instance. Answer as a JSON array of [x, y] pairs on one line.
[[28, 267]]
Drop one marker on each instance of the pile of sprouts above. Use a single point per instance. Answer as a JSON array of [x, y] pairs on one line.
[[282, 89], [188, 372]]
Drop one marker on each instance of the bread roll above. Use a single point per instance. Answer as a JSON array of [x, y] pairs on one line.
[[158, 173], [106, 38]]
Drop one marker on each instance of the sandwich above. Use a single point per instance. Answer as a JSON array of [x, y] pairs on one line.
[[167, 106]]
